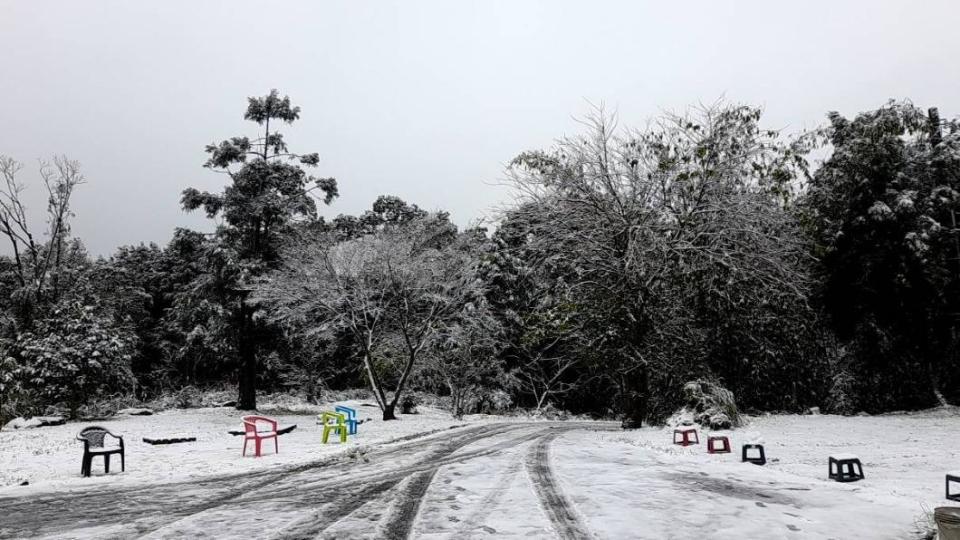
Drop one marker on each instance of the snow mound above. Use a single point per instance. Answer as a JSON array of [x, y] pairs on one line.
[[35, 422]]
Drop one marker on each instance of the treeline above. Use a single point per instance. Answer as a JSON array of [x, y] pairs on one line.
[[701, 248]]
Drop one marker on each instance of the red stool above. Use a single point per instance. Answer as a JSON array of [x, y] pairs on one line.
[[712, 445], [685, 432]]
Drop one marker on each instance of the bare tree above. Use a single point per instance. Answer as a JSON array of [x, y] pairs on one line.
[[544, 376], [37, 260]]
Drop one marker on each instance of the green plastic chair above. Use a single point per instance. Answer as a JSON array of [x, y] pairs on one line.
[[334, 422]]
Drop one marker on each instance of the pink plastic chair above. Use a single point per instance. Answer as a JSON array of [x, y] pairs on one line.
[[251, 432]]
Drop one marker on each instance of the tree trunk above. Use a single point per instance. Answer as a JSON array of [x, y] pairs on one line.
[[457, 398], [247, 399], [541, 399], [388, 413], [389, 408], [374, 380], [634, 399]]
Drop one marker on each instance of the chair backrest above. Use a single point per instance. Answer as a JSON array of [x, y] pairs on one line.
[[250, 423], [337, 418], [93, 435], [351, 413]]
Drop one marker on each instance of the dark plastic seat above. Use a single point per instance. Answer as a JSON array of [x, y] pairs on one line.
[[844, 468], [955, 478], [759, 459], [685, 432], [714, 448], [93, 445]]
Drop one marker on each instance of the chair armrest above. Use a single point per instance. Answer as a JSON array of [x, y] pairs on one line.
[[115, 436]]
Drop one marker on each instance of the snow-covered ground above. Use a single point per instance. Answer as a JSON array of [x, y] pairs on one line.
[[49, 457], [491, 478], [622, 480]]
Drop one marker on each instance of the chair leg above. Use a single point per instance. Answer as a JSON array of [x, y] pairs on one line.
[[244, 451], [85, 466], [123, 462], [276, 445], [106, 463], [257, 441]]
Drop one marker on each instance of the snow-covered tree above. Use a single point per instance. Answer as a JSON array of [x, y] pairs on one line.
[[39, 258], [391, 291], [269, 190], [71, 356], [883, 209], [663, 234]]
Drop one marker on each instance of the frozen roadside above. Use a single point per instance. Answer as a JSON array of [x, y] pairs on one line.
[[49, 457]]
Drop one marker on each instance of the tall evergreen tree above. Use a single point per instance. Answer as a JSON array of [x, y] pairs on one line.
[[269, 191]]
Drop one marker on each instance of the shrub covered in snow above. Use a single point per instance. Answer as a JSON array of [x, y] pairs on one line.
[[68, 359], [409, 403], [495, 402], [708, 404]]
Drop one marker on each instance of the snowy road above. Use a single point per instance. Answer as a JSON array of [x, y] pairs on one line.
[[531, 480]]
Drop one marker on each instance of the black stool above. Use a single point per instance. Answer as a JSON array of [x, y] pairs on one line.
[[841, 461], [953, 477], [760, 460]]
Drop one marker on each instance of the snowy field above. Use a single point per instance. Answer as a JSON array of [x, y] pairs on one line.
[[492, 478], [904, 456], [49, 457]]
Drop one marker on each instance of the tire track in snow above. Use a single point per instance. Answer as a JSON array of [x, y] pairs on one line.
[[558, 508], [400, 520], [347, 504], [152, 509], [490, 500], [159, 506]]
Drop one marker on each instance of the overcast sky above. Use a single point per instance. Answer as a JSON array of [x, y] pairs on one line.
[[425, 100]]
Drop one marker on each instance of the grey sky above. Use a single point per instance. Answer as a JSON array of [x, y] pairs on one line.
[[425, 100]]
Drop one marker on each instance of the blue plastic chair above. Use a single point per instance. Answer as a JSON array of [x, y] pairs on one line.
[[351, 418]]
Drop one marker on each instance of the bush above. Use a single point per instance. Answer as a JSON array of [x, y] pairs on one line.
[[495, 402], [841, 398], [709, 404], [98, 407], [70, 358], [409, 402]]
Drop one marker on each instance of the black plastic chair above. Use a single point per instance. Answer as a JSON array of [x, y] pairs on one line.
[[93, 445]]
